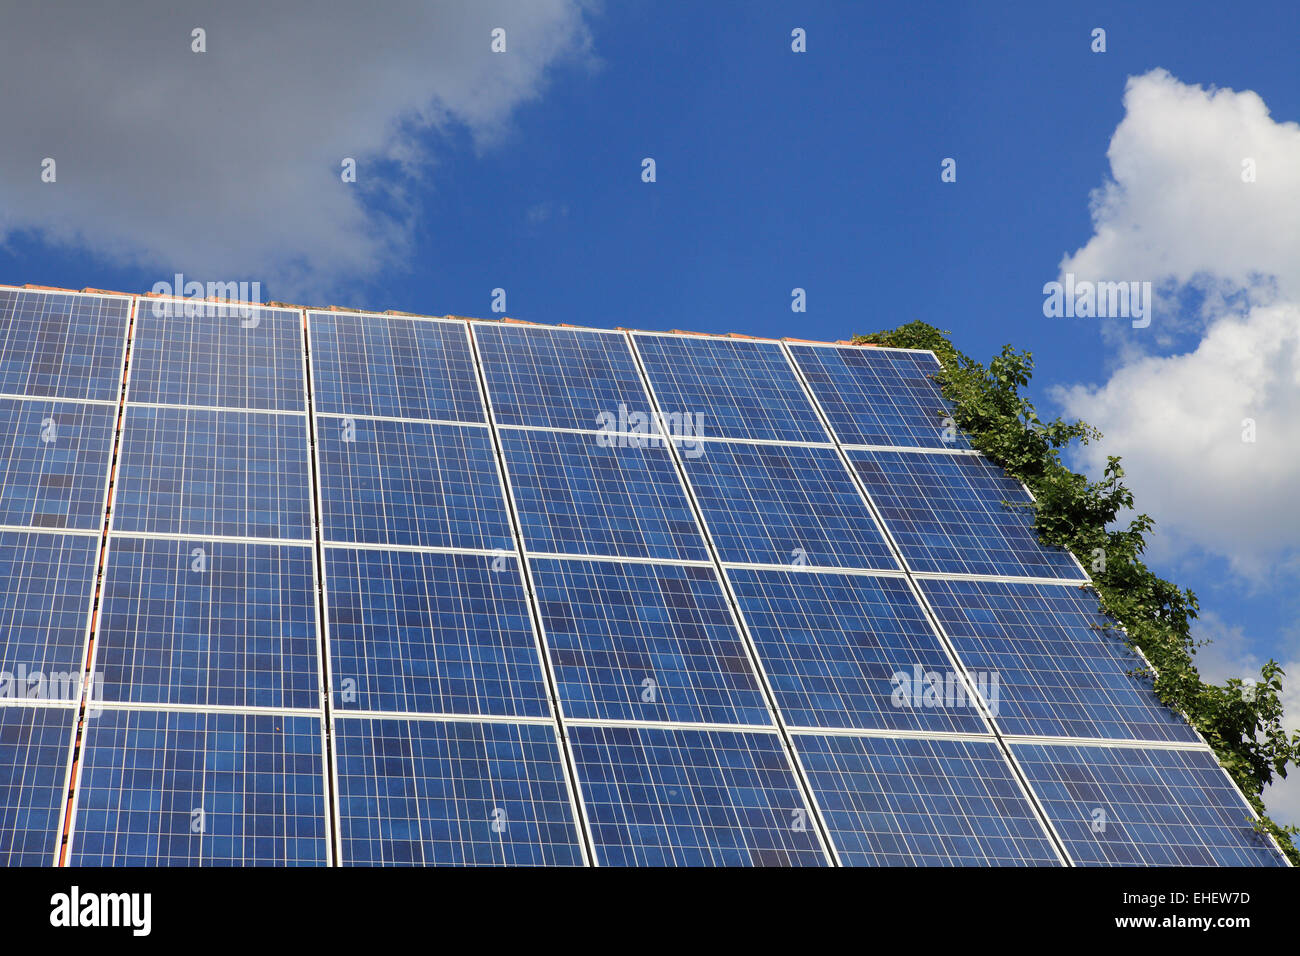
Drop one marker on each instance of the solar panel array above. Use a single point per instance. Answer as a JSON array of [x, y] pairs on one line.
[[389, 590]]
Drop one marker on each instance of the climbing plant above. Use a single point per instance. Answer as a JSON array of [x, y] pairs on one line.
[[1241, 720]]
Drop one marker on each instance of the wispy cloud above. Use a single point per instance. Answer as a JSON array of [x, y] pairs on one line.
[[227, 163]]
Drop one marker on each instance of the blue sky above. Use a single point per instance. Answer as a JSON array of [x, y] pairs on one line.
[[775, 170]]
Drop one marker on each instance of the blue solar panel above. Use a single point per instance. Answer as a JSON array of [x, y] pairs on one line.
[[785, 504], [47, 584], [35, 756], [674, 797], [922, 802], [64, 346], [432, 633], [879, 396], [410, 483], [851, 651], [180, 788], [732, 388], [192, 471], [444, 750], [399, 367], [560, 378], [54, 459], [1059, 674], [645, 642], [231, 356], [209, 623], [426, 792], [1116, 806], [575, 496], [958, 514]]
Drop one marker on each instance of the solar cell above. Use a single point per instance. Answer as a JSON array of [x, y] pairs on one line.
[[62, 346], [185, 788], [190, 353], [879, 396], [410, 483], [35, 756], [399, 367], [732, 388], [958, 514], [195, 471], [1118, 806], [675, 797], [645, 642], [208, 623], [578, 494], [851, 651], [922, 802], [560, 378], [432, 633], [54, 459], [47, 585], [426, 792], [784, 505], [1059, 673]]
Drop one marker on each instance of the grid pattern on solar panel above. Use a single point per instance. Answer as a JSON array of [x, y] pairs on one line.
[[410, 483], [200, 353], [62, 346], [1059, 674], [208, 623], [182, 788], [35, 753], [425, 792], [849, 651], [677, 797], [958, 514], [645, 642], [195, 471], [432, 633], [1117, 806], [581, 495], [732, 388], [385, 365], [879, 396], [54, 459], [47, 584], [922, 802], [782, 504], [560, 378]]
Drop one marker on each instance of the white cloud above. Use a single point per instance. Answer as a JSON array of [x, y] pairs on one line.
[[1178, 423], [1176, 205], [1177, 212], [226, 164]]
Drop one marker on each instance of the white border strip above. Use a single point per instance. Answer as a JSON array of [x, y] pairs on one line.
[[400, 420], [214, 538], [13, 397]]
